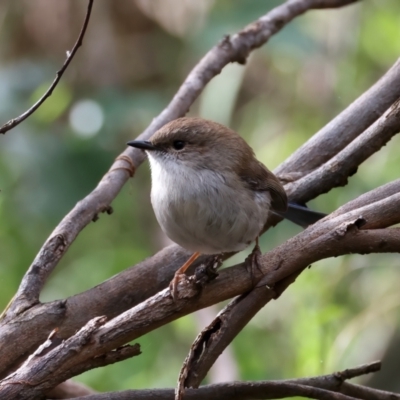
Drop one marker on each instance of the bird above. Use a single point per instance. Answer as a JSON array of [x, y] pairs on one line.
[[209, 192]]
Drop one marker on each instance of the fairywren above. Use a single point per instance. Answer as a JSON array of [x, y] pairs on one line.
[[209, 193]]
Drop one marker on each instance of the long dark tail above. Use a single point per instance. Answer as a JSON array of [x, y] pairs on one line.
[[301, 215]]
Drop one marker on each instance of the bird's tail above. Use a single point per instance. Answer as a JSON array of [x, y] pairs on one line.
[[301, 215]]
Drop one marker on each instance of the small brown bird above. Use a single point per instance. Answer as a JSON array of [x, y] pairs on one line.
[[209, 192]]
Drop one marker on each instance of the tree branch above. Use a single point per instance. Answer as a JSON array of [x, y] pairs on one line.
[[234, 391], [70, 55], [343, 129], [380, 207], [231, 49], [338, 234], [328, 385], [230, 321], [69, 389], [336, 171], [50, 364], [327, 238]]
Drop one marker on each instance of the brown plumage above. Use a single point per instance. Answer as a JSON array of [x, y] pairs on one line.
[[209, 192], [201, 135]]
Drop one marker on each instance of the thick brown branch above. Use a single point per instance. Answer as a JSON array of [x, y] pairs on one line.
[[231, 49], [120, 354], [239, 312], [336, 171], [128, 289], [328, 238], [343, 129], [99, 200], [50, 364], [70, 55], [119, 293]]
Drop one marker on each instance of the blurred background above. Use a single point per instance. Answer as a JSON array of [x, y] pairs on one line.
[[341, 313]]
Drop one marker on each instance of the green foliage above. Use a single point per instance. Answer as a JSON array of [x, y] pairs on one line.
[[54, 108]]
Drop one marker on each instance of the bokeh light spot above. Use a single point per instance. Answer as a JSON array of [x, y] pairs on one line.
[[86, 118]]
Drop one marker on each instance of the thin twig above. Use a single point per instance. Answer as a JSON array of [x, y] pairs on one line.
[[367, 393], [12, 123], [235, 391], [264, 389]]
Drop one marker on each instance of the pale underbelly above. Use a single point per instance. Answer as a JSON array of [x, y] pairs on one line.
[[213, 225]]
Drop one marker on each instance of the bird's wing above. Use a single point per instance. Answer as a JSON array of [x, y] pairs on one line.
[[260, 178]]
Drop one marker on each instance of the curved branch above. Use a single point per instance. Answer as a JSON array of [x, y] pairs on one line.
[[231, 320], [338, 235], [329, 387], [380, 206], [250, 390], [343, 129], [336, 171], [230, 49], [12, 123], [373, 196], [335, 382], [329, 237], [231, 391]]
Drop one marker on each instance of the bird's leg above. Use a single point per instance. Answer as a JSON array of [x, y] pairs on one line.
[[173, 286], [252, 262]]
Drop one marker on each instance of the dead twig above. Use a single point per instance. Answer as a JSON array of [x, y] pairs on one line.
[[330, 387], [12, 123]]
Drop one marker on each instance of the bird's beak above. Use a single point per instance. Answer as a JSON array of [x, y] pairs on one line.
[[142, 144]]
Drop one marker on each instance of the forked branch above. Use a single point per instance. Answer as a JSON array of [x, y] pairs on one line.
[[235, 48]]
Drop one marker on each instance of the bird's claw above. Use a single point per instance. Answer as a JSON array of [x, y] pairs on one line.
[[183, 286]]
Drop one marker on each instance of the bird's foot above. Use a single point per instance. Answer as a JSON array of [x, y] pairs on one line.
[[183, 286], [179, 285], [180, 276]]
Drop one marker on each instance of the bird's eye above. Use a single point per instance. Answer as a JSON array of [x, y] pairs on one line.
[[178, 144]]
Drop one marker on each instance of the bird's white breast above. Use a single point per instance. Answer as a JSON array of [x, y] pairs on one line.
[[201, 212]]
